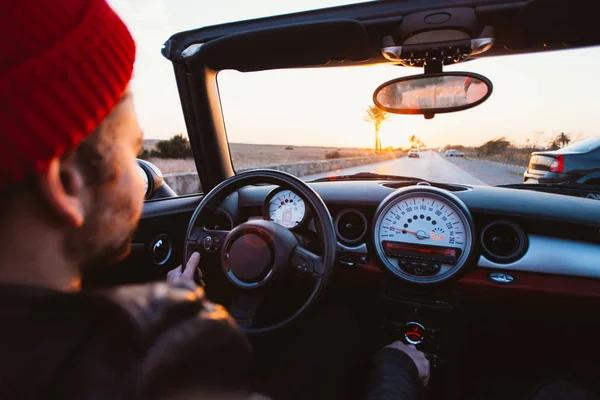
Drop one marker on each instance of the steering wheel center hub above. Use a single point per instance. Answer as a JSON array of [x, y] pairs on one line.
[[256, 251], [250, 257]]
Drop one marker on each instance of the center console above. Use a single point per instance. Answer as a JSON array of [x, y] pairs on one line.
[[430, 319]]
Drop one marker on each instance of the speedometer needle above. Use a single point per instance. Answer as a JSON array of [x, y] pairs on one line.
[[419, 234]]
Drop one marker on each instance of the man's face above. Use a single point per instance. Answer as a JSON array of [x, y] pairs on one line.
[[114, 196]]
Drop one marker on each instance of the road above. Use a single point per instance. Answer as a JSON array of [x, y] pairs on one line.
[[435, 167]]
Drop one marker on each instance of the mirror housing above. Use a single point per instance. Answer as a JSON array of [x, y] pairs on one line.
[[431, 94], [156, 187]]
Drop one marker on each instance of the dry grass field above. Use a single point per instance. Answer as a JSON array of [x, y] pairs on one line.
[[256, 155]]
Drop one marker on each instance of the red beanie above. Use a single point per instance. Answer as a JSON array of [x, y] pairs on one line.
[[64, 66]]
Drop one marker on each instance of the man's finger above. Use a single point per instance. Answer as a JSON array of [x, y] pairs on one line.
[[200, 276], [427, 372], [191, 265], [174, 273]]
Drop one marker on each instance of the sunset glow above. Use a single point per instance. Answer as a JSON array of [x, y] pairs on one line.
[[325, 107]]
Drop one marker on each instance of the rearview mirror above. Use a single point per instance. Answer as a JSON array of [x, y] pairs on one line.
[[432, 94]]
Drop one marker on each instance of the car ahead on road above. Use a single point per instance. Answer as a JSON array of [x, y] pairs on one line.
[[512, 271], [414, 153], [577, 163], [454, 153]]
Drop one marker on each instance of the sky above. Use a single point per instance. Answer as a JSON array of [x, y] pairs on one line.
[[551, 93]]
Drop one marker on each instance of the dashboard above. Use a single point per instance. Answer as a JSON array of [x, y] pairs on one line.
[[427, 234]]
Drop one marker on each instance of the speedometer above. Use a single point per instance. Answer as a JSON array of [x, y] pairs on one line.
[[423, 235], [285, 208]]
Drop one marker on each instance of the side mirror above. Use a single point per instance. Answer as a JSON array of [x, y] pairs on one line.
[[431, 94], [156, 187]]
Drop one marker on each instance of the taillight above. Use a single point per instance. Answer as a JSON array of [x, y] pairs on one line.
[[558, 164]]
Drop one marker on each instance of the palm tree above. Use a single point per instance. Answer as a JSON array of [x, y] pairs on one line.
[[564, 139], [376, 116], [416, 142]]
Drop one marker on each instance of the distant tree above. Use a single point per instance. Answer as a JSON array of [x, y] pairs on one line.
[[144, 154], [330, 155], [176, 147], [563, 138], [413, 140], [416, 142], [376, 116], [554, 144], [494, 146]]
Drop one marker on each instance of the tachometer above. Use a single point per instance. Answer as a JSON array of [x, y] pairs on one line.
[[285, 208], [423, 235]]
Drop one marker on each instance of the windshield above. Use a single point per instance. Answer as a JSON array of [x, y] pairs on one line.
[[321, 122]]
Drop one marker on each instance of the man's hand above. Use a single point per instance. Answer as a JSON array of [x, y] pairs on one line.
[[418, 358], [187, 275]]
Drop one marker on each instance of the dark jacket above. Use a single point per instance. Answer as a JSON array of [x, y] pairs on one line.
[[394, 376], [148, 341], [140, 342]]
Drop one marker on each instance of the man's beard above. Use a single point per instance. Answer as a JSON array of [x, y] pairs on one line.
[[97, 263], [95, 248]]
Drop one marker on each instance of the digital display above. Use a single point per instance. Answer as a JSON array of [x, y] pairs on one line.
[[421, 251]]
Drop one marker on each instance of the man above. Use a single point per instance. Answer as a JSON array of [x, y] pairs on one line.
[[70, 199]]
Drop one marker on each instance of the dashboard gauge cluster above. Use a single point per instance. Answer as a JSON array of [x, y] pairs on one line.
[[285, 208], [423, 235]]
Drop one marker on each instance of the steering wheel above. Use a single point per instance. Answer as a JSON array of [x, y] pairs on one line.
[[257, 254]]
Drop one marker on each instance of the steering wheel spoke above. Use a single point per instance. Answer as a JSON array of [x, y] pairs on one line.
[[243, 308], [306, 263], [207, 240]]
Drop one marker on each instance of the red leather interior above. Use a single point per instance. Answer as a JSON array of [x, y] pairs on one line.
[[477, 281]]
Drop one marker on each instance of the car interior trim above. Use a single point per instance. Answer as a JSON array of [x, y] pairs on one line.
[[360, 249], [478, 281], [174, 205], [549, 255]]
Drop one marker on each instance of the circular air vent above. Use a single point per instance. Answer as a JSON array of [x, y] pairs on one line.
[[219, 222], [350, 225], [503, 241], [160, 249]]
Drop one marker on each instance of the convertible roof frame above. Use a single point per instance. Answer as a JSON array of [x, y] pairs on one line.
[[520, 27]]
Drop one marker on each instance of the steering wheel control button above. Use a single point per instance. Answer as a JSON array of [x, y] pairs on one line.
[[207, 243], [414, 333], [304, 267]]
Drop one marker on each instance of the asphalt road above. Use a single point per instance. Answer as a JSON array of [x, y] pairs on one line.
[[435, 167]]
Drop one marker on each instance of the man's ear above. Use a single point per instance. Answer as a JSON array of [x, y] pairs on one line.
[[62, 187]]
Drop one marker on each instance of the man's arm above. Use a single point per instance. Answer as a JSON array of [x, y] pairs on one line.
[[399, 372]]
